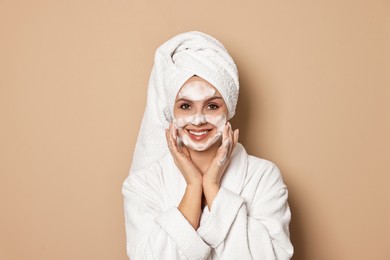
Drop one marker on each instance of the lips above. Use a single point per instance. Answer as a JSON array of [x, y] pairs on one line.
[[198, 134]]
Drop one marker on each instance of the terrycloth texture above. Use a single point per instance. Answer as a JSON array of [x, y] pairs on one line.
[[178, 59], [249, 218]]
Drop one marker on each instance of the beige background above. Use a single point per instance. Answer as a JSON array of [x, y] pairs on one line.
[[314, 99]]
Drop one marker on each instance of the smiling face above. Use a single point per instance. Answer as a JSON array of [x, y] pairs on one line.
[[200, 114]]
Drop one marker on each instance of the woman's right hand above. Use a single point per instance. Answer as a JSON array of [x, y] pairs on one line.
[[182, 158]]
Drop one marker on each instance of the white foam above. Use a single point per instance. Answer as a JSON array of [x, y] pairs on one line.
[[196, 91]]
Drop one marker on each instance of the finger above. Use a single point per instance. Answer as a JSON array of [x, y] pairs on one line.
[[171, 135], [186, 152], [223, 152], [228, 138], [167, 136], [170, 145], [172, 141], [236, 136], [231, 139], [179, 144], [225, 134], [235, 139], [176, 131], [174, 145], [172, 131], [176, 150]]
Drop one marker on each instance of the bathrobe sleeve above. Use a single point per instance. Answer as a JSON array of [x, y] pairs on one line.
[[238, 229], [154, 233]]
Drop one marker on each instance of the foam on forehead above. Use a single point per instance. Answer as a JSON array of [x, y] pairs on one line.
[[196, 90], [225, 86]]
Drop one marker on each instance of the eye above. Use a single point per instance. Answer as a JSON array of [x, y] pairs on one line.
[[185, 106], [212, 107]]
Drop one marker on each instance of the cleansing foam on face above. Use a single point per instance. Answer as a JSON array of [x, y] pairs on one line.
[[199, 128]]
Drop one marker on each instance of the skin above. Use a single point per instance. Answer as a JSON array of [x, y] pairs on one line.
[[201, 169]]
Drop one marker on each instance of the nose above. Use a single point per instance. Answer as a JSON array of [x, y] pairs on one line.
[[199, 119]]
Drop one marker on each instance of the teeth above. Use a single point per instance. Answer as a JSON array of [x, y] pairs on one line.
[[198, 133]]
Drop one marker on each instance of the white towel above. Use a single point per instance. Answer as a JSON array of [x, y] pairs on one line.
[[178, 59]]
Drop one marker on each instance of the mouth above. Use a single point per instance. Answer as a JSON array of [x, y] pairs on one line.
[[198, 134]]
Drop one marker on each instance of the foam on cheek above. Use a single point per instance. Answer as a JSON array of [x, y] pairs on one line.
[[218, 121]]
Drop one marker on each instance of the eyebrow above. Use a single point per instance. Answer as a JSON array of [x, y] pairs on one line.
[[190, 101]]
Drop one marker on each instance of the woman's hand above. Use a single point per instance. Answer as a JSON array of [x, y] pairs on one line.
[[190, 204], [182, 158], [213, 175], [215, 171]]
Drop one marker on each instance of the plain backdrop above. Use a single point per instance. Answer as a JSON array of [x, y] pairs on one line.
[[315, 100]]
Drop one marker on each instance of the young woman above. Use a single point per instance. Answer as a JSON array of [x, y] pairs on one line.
[[193, 192]]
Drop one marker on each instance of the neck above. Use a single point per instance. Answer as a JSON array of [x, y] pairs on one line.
[[203, 159]]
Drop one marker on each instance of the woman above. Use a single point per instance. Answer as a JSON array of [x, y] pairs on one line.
[[193, 192]]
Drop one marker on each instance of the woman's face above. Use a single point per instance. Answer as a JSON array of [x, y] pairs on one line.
[[200, 114]]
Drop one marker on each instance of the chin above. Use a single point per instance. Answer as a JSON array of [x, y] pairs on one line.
[[198, 149]]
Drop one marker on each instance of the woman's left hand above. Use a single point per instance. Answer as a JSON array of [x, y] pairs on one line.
[[213, 175]]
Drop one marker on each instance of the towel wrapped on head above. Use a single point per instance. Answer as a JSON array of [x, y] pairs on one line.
[[177, 60]]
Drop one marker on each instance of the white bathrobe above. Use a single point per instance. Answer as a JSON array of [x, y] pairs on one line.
[[249, 218]]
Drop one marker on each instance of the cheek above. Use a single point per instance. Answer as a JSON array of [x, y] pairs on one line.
[[181, 121], [218, 121]]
